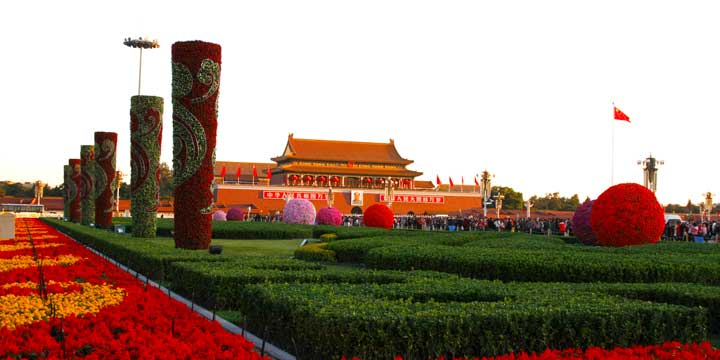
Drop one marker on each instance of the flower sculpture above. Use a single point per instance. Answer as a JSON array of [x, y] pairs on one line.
[[581, 223], [87, 184], [627, 214], [195, 85], [67, 173], [105, 146], [329, 216], [219, 216], [235, 214], [378, 215], [74, 191], [299, 211], [145, 140]]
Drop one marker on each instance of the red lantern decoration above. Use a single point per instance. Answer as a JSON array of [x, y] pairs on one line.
[[368, 180], [308, 178], [294, 178]]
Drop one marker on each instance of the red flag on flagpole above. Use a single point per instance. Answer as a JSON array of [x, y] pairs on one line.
[[269, 174], [254, 171], [619, 115], [462, 182], [238, 172], [476, 182], [223, 172], [437, 180], [451, 182]]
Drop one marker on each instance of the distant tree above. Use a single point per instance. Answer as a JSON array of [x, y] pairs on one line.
[[124, 191], [53, 191], [513, 200], [18, 190], [2, 190], [166, 181], [553, 201]]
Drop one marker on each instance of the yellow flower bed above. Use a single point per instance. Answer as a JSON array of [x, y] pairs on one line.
[[34, 285], [23, 246], [22, 262], [21, 310]]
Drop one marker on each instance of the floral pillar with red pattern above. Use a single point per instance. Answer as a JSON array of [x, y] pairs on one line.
[[195, 85], [145, 140], [74, 191], [67, 172], [87, 184], [105, 146]]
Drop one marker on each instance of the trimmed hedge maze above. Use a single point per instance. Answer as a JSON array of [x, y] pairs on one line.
[[426, 294]]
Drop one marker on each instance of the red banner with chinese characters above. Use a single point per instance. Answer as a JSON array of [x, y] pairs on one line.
[[295, 195], [415, 199]]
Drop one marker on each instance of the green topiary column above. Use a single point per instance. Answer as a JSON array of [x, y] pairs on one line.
[[145, 140], [87, 187], [195, 85]]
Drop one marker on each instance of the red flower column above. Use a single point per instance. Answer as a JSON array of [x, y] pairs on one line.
[[105, 146], [67, 172], [87, 186], [195, 85], [74, 191]]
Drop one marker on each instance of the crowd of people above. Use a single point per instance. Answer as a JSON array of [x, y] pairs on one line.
[[692, 231]]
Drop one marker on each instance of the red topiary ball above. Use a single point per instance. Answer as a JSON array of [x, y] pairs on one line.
[[581, 224], [329, 216], [379, 216], [235, 214], [627, 214]]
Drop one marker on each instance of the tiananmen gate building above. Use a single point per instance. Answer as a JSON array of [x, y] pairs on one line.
[[355, 175]]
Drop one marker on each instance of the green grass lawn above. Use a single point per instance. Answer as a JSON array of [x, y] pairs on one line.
[[281, 248]]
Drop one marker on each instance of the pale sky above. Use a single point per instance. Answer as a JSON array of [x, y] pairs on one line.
[[521, 88]]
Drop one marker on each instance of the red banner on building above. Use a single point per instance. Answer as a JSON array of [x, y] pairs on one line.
[[415, 199], [282, 195]]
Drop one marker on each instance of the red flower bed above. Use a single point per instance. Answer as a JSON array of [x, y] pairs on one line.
[[378, 215], [195, 88], [627, 214], [144, 324], [666, 351]]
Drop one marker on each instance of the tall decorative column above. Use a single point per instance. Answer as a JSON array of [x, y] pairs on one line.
[[195, 84], [145, 140], [87, 185], [105, 146], [67, 173], [74, 191]]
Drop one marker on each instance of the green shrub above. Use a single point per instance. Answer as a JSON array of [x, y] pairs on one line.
[[315, 252], [547, 265], [441, 317], [150, 257], [328, 237]]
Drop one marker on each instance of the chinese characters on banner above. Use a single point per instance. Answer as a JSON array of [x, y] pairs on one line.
[[415, 199], [282, 195]]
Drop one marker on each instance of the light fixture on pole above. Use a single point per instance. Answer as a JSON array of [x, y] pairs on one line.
[[650, 170], [485, 189], [498, 203], [141, 43]]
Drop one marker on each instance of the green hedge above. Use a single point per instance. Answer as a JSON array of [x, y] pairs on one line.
[[220, 285], [548, 265], [315, 252], [150, 257], [456, 317]]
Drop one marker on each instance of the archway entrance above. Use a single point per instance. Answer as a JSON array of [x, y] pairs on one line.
[[356, 210]]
